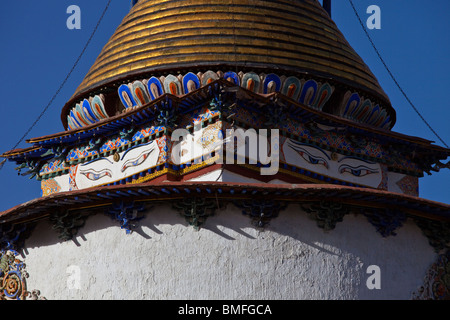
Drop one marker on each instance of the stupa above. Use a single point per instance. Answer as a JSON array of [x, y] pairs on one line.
[[227, 149]]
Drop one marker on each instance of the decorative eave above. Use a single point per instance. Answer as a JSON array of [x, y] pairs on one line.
[[21, 151], [325, 203]]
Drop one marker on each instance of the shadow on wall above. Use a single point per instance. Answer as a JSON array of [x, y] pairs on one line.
[[229, 221]]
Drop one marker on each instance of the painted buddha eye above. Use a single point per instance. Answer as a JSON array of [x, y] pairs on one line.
[[316, 160], [360, 171], [310, 154], [95, 175], [136, 161]]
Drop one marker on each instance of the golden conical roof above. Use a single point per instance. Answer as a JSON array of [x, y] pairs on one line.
[[285, 36]]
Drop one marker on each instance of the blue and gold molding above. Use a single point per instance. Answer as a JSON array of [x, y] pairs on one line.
[[309, 92]]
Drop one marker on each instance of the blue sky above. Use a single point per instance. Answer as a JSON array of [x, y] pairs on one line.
[[38, 50]]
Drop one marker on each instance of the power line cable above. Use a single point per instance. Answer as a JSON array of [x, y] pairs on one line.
[[64, 81], [392, 76]]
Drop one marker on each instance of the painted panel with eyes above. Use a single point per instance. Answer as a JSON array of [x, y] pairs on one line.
[[105, 170], [345, 168]]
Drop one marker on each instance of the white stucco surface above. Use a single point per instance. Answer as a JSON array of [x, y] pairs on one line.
[[226, 259]]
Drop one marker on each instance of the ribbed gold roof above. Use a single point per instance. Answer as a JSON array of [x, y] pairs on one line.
[[170, 35]]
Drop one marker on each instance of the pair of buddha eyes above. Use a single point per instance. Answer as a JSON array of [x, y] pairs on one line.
[[94, 175], [357, 171]]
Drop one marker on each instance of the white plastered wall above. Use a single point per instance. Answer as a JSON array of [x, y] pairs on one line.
[[226, 259]]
